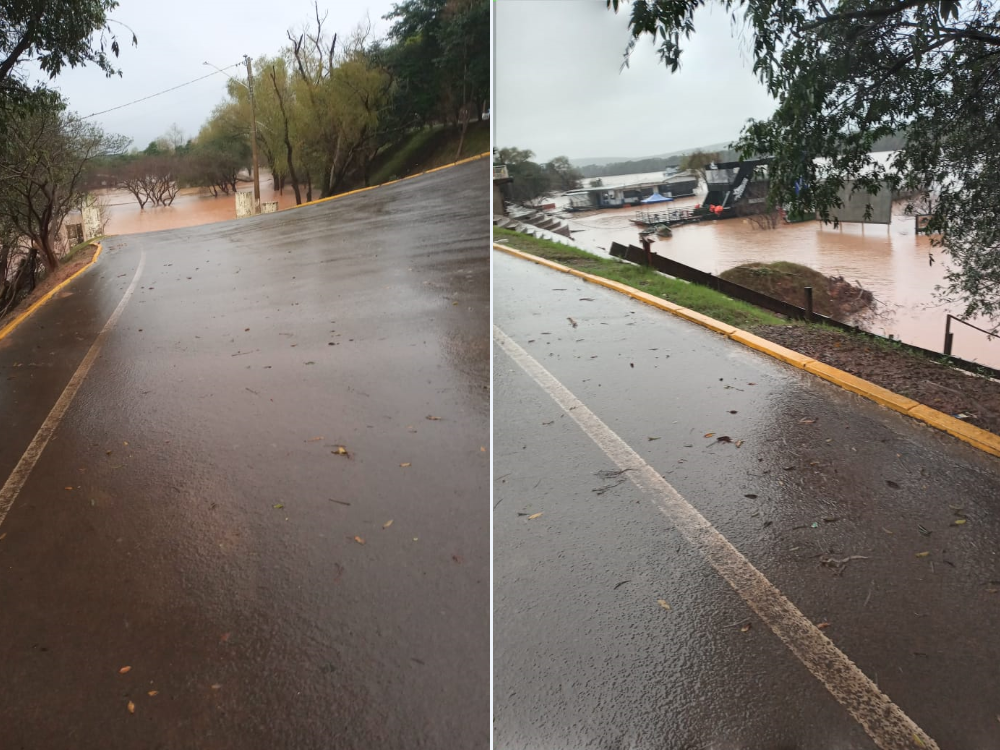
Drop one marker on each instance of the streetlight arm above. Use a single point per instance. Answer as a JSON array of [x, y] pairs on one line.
[[234, 80]]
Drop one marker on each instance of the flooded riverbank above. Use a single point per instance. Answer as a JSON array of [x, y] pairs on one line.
[[192, 207], [891, 261]]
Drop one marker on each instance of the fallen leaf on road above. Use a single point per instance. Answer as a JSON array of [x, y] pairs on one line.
[[153, 693], [709, 434], [652, 438], [433, 418], [958, 522], [341, 451], [892, 484], [751, 496], [571, 322], [663, 604], [886, 530], [922, 554], [279, 506], [732, 411], [68, 488], [923, 530], [387, 524], [920, 742], [2, 536], [724, 439], [738, 443], [807, 421], [314, 440], [533, 516], [823, 625], [123, 670], [405, 465], [746, 627], [359, 540], [216, 686], [131, 707]]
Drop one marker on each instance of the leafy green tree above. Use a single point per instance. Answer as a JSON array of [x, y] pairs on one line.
[[54, 34], [563, 176], [850, 73]]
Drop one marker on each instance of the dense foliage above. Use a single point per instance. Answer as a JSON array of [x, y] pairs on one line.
[[531, 180], [850, 73], [45, 151]]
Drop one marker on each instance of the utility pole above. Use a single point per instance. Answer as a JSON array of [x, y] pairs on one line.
[[253, 137]]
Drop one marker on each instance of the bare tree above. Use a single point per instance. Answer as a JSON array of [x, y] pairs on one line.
[[43, 163]]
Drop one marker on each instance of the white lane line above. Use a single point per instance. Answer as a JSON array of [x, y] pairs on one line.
[[12, 487], [882, 719]]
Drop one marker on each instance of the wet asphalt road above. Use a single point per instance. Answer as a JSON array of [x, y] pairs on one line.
[[191, 520], [585, 657]]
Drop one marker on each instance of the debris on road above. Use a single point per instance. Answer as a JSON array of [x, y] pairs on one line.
[[663, 604], [839, 563]]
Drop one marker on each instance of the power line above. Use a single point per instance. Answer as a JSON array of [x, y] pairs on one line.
[[159, 93]]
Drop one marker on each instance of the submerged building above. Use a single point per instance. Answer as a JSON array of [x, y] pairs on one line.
[[680, 185]]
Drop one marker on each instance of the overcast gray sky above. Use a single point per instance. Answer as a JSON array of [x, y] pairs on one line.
[[175, 37], [558, 90]]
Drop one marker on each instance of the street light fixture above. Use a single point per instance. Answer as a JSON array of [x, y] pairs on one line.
[[253, 126]]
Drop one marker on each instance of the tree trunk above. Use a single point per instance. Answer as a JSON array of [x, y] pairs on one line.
[[48, 252]]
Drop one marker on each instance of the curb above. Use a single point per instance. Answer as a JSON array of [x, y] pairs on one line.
[[9, 328], [974, 436], [391, 182]]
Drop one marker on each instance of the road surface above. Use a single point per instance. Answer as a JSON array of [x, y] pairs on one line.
[[191, 562], [630, 617]]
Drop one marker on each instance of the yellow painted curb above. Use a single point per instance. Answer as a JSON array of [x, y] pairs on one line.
[[769, 347], [862, 387], [985, 441], [7, 329], [391, 182], [967, 433]]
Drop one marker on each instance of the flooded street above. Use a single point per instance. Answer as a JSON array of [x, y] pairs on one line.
[[890, 261], [192, 207]]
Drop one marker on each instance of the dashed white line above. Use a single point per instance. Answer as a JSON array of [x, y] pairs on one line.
[[883, 720]]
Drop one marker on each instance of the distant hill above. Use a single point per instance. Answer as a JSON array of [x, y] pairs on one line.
[[601, 161], [649, 164], [605, 166]]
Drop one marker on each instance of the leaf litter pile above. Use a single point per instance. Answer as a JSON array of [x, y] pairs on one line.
[[972, 399]]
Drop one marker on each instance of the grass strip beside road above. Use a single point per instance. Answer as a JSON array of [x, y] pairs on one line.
[[698, 298]]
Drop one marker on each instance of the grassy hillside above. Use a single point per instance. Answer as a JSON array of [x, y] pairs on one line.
[[429, 148]]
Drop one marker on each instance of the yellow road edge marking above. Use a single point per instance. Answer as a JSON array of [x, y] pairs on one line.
[[967, 433], [391, 182], [9, 328]]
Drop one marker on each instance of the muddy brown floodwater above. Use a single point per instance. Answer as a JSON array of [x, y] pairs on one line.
[[192, 207], [891, 261]]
